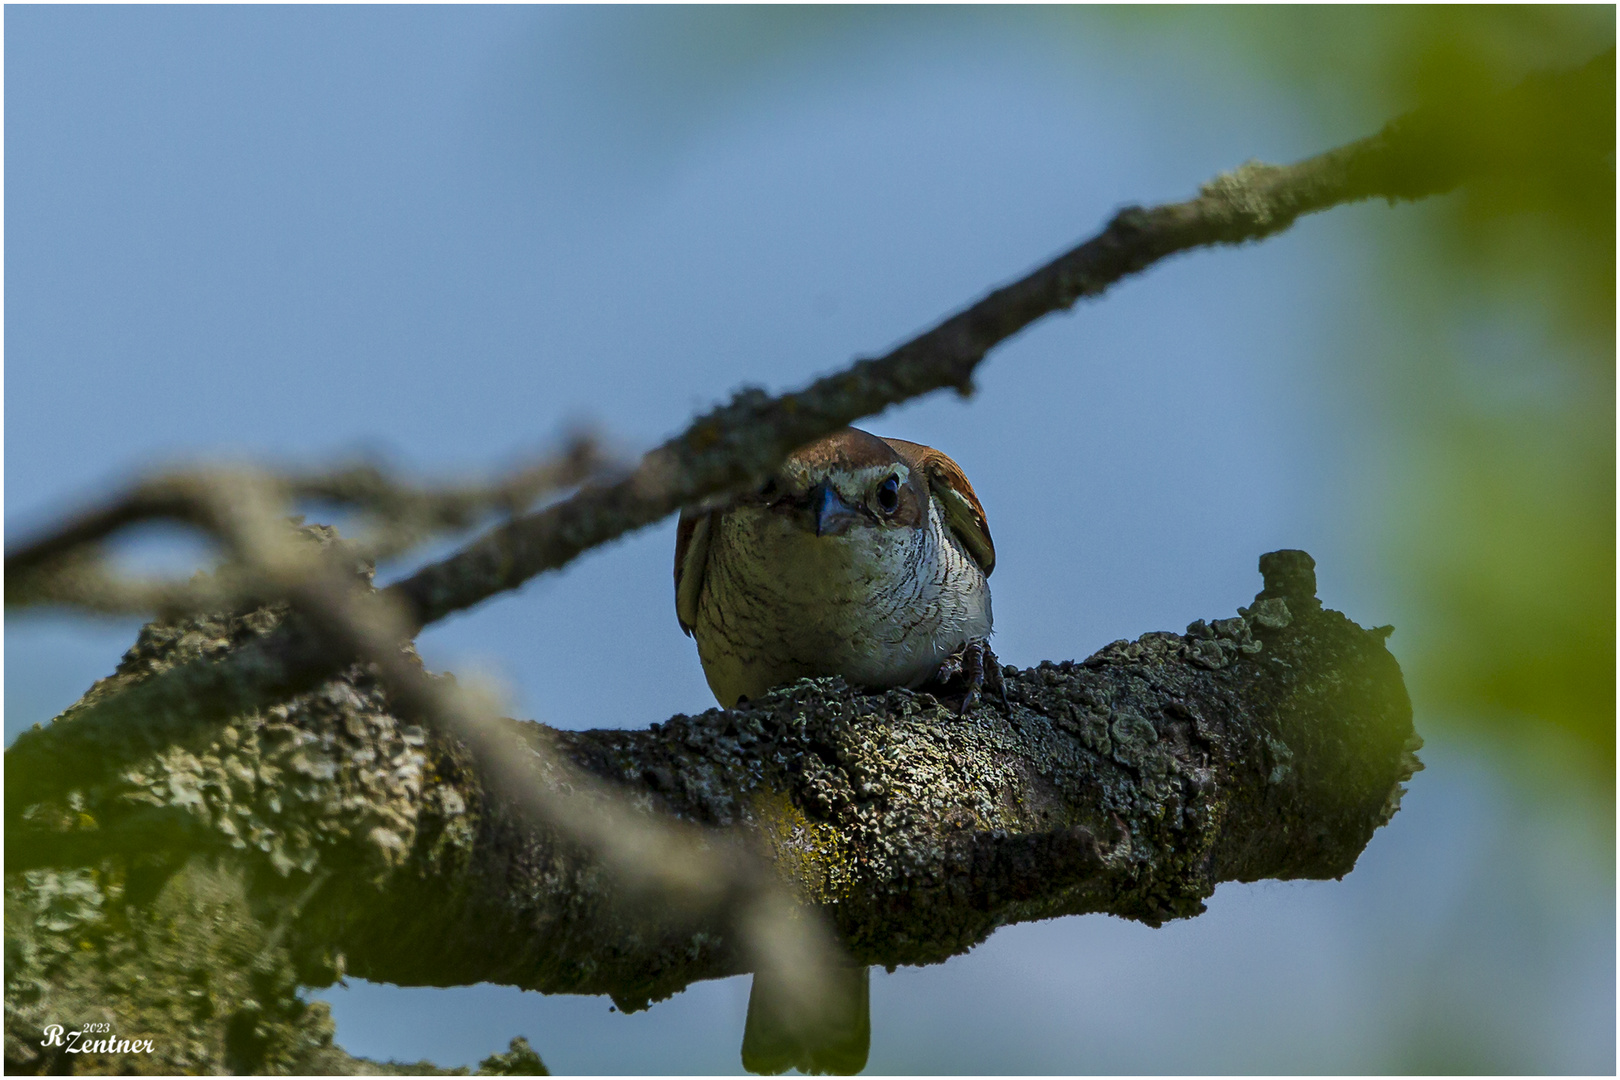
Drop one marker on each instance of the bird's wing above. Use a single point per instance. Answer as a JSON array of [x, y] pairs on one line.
[[964, 514], [691, 560]]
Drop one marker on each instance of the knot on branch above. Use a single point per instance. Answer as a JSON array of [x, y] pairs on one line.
[[1290, 575]]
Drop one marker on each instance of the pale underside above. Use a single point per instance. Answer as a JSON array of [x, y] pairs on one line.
[[880, 605]]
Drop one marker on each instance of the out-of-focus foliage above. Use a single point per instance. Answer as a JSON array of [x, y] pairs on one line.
[[1495, 510], [1500, 501]]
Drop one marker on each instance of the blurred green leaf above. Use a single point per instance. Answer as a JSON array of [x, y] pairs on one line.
[[1498, 514], [1501, 508]]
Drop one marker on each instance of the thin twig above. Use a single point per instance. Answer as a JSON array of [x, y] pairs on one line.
[[58, 567]]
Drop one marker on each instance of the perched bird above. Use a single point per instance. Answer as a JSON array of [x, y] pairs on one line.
[[862, 557]]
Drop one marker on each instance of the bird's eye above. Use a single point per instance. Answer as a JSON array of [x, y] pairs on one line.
[[888, 495]]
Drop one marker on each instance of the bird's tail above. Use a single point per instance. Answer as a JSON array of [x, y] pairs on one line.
[[782, 1033]]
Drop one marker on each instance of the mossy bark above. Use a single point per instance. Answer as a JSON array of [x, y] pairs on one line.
[[181, 892]]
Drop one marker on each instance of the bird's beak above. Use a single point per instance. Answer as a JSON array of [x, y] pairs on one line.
[[830, 515]]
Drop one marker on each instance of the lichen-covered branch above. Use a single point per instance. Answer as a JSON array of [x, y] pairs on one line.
[[326, 835]]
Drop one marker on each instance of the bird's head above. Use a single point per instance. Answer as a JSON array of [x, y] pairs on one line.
[[849, 502], [848, 481]]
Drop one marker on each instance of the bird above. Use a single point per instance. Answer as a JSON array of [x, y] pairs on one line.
[[863, 557]]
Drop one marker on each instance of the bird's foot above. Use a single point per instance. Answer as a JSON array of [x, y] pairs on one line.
[[975, 667]]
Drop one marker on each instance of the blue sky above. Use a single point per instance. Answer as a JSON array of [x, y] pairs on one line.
[[443, 235]]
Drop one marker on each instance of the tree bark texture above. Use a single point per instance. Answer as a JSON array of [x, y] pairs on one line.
[[187, 888]]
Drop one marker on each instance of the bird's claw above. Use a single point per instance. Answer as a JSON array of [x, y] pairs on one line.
[[976, 665]]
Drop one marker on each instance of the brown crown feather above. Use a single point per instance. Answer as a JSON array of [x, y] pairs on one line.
[[850, 448], [963, 511]]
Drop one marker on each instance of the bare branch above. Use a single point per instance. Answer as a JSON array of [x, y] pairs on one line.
[[734, 446], [86, 581], [402, 515]]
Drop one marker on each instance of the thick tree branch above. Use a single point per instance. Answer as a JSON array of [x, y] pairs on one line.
[[1270, 744]]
